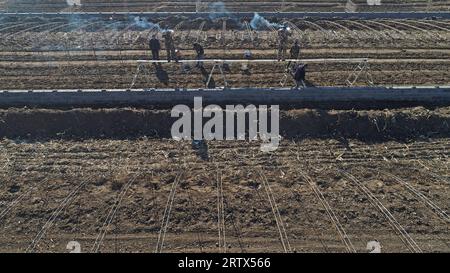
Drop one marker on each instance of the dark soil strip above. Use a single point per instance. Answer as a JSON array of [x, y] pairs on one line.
[[377, 125]]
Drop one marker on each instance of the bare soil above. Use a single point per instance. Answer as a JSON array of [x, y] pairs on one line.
[[61, 185], [370, 125], [41, 175]]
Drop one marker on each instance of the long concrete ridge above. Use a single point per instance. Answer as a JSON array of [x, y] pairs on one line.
[[243, 15], [313, 97]]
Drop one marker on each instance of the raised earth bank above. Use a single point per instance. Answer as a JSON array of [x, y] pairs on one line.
[[126, 123]]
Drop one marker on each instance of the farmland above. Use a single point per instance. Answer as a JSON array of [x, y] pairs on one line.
[[68, 53], [113, 180], [232, 5]]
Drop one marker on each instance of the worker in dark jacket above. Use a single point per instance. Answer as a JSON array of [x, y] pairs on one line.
[[200, 54], [155, 47], [299, 75]]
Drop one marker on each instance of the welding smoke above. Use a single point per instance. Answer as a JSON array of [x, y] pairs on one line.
[[145, 24], [218, 10], [258, 22], [73, 2]]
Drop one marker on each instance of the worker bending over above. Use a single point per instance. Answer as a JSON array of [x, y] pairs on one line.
[[299, 74], [200, 51]]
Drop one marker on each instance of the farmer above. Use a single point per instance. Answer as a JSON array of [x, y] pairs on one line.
[[295, 50], [283, 35], [155, 47], [170, 46], [298, 75]]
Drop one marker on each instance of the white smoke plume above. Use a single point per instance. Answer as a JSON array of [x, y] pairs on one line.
[[259, 22]]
